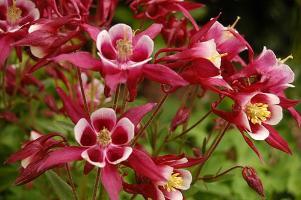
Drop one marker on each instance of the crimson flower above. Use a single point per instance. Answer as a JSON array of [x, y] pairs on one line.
[[124, 57], [105, 138]]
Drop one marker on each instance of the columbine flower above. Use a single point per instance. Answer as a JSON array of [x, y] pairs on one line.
[[226, 42], [106, 139], [176, 179], [124, 59], [253, 112], [202, 64], [17, 13]]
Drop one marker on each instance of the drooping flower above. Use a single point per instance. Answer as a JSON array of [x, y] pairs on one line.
[[201, 64], [106, 138], [41, 153]]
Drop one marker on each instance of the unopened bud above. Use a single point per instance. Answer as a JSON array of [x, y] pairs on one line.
[[180, 118], [253, 180]]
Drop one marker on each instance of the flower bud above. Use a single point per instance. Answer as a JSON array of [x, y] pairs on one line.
[[250, 176], [181, 117]]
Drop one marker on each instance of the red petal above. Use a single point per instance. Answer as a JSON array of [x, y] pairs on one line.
[[72, 108], [123, 132], [103, 118], [276, 141], [163, 75], [144, 165], [136, 114], [111, 181], [53, 159], [151, 31], [81, 59], [5, 47]]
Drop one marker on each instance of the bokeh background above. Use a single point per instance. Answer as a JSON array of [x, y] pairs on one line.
[[275, 24]]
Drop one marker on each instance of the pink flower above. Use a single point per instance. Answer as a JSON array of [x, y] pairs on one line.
[[106, 138]]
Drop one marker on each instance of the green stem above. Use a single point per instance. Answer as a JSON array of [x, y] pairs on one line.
[[192, 127], [151, 118], [96, 184], [82, 90], [210, 151], [221, 174], [71, 182], [115, 104]]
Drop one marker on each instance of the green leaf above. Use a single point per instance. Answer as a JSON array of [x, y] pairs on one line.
[[61, 188]]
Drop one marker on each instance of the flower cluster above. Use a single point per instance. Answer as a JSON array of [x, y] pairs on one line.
[[52, 37]]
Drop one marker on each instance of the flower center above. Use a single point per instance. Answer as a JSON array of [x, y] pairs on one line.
[[124, 49], [175, 182], [13, 13], [104, 137], [257, 112]]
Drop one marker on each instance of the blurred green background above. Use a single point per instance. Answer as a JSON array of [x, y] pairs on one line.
[[273, 23]]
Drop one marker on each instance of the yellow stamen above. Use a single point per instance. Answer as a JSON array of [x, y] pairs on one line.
[[104, 137], [175, 182], [13, 13], [257, 112], [285, 59], [124, 49]]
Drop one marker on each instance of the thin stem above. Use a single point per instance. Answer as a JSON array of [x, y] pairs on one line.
[[210, 151], [96, 184], [124, 99], [216, 142], [151, 118], [221, 174], [193, 126], [82, 90], [115, 104], [71, 182]]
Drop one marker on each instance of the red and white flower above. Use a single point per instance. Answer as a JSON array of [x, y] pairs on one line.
[[124, 59], [106, 138], [176, 179], [16, 13], [253, 112], [119, 49]]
